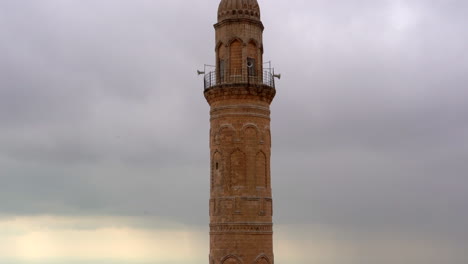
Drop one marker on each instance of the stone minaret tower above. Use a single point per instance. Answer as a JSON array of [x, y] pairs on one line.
[[240, 92]]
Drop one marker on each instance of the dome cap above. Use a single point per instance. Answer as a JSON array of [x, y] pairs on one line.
[[229, 9]]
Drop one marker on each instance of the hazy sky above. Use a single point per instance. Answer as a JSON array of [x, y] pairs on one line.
[[104, 131]]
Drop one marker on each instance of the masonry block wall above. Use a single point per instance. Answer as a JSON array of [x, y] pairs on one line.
[[241, 204]]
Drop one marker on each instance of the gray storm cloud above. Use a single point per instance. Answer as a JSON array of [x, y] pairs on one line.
[[101, 112]]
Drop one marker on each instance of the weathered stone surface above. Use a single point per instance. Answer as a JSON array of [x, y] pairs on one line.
[[241, 205]]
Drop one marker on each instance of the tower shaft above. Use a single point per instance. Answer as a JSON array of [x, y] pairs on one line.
[[240, 94], [241, 207]]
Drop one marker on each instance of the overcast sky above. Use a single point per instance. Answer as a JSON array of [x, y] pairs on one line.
[[104, 131]]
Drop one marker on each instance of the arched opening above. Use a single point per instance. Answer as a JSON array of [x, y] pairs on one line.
[[217, 170], [251, 138], [222, 54], [238, 169], [262, 260], [252, 59], [235, 57], [231, 260], [268, 137], [261, 170]]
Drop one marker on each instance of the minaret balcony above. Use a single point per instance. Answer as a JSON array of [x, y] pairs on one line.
[[213, 79]]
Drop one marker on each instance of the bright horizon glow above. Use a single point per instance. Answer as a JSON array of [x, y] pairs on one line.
[[49, 238], [116, 239]]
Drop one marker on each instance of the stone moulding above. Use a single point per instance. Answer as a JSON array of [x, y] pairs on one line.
[[230, 21], [247, 228], [231, 256], [260, 92], [240, 106], [262, 257], [214, 117]]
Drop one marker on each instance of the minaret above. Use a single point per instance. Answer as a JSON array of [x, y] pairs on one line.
[[240, 92]]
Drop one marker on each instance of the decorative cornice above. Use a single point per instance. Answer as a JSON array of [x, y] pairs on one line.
[[240, 106], [230, 21], [249, 228], [240, 110], [213, 117], [240, 91]]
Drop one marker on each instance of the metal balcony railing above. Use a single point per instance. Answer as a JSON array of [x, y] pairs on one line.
[[213, 79]]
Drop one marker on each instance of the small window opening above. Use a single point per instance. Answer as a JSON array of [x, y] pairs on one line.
[[222, 69], [251, 66], [216, 165]]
